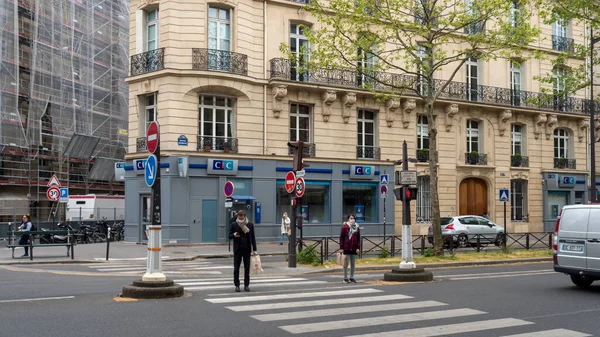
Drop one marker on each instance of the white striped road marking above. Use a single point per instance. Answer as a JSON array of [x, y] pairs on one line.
[[127, 259], [497, 273], [378, 321], [220, 279], [315, 303], [38, 299], [293, 295], [206, 268], [328, 312], [552, 333], [499, 276], [208, 272], [448, 329], [228, 281], [122, 269], [278, 284]]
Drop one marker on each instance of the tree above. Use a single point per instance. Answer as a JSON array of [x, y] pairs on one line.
[[394, 47]]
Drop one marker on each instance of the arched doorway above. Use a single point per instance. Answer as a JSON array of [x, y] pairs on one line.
[[473, 195]]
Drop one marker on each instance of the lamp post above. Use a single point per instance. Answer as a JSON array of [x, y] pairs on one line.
[[593, 193]]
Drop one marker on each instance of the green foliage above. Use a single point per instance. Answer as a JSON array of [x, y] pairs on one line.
[[384, 253], [429, 252], [308, 256], [506, 250]]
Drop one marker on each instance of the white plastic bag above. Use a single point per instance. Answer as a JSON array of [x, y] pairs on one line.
[[340, 258], [256, 264]]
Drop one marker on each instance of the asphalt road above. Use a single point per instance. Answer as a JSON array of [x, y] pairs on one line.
[[516, 299]]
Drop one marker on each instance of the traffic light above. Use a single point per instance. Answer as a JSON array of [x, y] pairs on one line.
[[299, 164], [407, 194]]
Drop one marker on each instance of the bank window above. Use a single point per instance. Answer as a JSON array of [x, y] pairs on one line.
[[518, 200], [316, 204], [360, 199], [300, 122], [423, 200]]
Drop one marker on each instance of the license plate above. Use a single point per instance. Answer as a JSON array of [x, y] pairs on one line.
[[572, 248]]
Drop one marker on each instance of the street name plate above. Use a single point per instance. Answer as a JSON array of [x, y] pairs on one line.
[[408, 177]]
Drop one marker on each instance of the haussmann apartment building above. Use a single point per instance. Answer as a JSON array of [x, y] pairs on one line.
[[228, 102]]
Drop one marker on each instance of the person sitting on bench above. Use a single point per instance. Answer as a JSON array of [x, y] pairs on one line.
[[25, 227]]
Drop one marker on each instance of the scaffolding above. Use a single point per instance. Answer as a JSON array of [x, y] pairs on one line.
[[62, 70]]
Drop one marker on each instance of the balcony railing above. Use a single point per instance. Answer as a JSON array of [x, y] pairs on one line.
[[474, 158], [283, 69], [519, 161], [423, 155], [140, 144], [309, 150], [563, 163], [149, 61], [562, 43], [368, 152], [219, 60], [210, 143]]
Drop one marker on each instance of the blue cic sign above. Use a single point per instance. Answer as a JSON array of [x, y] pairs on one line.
[[222, 167], [362, 172], [566, 181], [150, 170]]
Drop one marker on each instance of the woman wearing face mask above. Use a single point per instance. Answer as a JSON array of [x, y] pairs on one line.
[[285, 225], [350, 244]]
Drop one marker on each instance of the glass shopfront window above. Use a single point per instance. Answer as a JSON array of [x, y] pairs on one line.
[[360, 199], [242, 186], [316, 205]]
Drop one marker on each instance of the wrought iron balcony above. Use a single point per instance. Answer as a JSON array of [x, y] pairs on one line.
[[564, 163], [474, 158], [283, 69], [423, 155], [219, 60], [368, 152], [519, 161], [140, 144], [149, 61], [210, 143], [562, 43], [310, 150]]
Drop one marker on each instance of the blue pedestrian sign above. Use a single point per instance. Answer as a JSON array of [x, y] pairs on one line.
[[503, 195], [64, 193], [384, 179], [150, 170]]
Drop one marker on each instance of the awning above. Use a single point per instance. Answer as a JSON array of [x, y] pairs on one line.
[[242, 197]]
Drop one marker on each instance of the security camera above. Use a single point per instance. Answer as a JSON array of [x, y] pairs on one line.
[[248, 206]]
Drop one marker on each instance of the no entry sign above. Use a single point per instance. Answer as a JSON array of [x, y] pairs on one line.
[[300, 187], [152, 137], [290, 181]]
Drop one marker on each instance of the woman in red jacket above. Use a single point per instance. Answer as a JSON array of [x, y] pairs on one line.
[[350, 244]]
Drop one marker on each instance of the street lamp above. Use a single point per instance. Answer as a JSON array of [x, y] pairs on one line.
[[593, 193]]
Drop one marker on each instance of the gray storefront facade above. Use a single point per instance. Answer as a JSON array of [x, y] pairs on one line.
[[193, 201], [560, 189]]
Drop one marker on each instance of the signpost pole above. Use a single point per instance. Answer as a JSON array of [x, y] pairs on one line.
[[407, 249], [384, 202], [505, 234]]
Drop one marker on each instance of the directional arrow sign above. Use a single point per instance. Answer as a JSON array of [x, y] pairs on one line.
[[150, 170]]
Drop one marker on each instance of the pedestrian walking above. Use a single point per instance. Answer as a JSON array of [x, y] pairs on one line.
[[285, 226], [350, 244], [25, 227], [244, 243]]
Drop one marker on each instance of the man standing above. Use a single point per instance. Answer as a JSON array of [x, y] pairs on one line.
[[244, 242]]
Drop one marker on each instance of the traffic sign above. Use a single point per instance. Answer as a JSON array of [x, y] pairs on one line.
[[384, 191], [300, 173], [228, 189], [503, 195], [150, 170], [53, 181], [384, 179], [290, 180], [300, 185], [408, 177], [152, 137], [53, 193], [64, 193]]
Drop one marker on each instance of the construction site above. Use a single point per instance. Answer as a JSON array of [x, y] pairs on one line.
[[63, 101]]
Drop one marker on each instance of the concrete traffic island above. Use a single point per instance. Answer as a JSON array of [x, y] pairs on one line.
[[408, 275], [152, 290]]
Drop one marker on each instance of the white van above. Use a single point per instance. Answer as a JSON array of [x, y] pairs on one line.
[[92, 207], [577, 243]]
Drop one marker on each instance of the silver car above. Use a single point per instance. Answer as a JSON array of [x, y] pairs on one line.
[[465, 229]]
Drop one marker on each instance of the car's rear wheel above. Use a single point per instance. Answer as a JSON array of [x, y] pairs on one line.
[[499, 239], [462, 241], [582, 281]]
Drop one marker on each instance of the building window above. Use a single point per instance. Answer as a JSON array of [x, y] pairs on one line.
[[216, 120], [300, 122], [423, 200], [561, 101], [315, 202], [152, 30], [471, 11], [365, 64], [516, 138], [366, 134], [515, 13], [301, 49], [472, 79], [150, 111], [219, 38], [422, 133], [360, 199], [422, 84], [561, 144], [518, 200], [473, 136], [515, 83]]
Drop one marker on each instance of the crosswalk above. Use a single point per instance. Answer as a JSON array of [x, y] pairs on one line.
[[169, 268], [344, 310]]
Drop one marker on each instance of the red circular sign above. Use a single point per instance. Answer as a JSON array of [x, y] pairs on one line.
[[152, 137], [290, 181], [53, 193], [300, 187], [228, 189]]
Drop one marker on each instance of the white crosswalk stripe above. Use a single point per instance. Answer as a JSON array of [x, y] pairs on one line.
[[317, 311], [203, 284], [173, 268]]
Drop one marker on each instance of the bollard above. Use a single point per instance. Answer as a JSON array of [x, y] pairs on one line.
[[107, 242]]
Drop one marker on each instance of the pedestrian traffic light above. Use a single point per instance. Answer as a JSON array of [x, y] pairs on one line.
[[298, 147], [406, 194]]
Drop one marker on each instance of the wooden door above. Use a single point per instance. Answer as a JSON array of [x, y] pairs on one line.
[[473, 196]]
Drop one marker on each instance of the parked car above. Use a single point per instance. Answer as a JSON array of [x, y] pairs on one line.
[[576, 245], [465, 229]]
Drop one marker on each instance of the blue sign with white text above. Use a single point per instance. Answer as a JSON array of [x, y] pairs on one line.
[[139, 164], [362, 172], [151, 170], [182, 140], [222, 167]]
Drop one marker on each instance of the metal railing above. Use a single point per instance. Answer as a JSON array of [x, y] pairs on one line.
[[149, 61], [474, 158], [519, 161], [219, 60], [563, 163], [210, 143], [368, 152], [562, 43], [310, 150]]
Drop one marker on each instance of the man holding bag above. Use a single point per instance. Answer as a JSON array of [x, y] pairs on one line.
[[244, 242]]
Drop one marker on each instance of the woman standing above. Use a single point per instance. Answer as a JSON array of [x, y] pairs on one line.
[[25, 227], [285, 224], [350, 244]]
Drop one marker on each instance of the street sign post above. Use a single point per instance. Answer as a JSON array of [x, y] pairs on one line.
[[53, 193], [408, 177], [228, 189], [290, 181], [503, 197], [64, 194], [300, 185], [384, 179], [151, 170], [152, 137]]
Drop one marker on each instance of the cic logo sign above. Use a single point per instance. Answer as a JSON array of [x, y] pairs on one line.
[[225, 165], [222, 167], [362, 172]]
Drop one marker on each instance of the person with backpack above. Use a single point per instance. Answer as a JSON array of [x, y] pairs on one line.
[[26, 226]]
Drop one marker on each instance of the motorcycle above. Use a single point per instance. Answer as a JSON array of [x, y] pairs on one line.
[[50, 239]]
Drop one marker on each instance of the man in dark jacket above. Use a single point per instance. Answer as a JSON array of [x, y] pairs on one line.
[[244, 242]]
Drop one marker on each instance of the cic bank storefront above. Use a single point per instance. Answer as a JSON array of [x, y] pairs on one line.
[[193, 201]]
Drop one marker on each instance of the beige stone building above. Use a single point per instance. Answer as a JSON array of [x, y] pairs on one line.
[[213, 76]]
